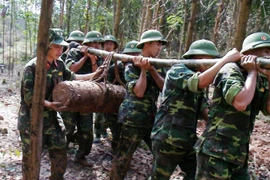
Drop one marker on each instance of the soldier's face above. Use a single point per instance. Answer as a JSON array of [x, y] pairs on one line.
[[96, 45], [153, 48], [202, 67], [55, 51], [262, 52], [109, 46]]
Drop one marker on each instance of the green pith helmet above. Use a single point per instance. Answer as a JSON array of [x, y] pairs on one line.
[[149, 36], [93, 36], [256, 40], [131, 47], [202, 47], [56, 37], [76, 36], [111, 38]]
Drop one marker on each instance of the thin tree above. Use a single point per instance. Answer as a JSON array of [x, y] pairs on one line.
[[217, 21], [191, 23], [157, 15], [182, 38], [39, 90], [242, 19], [3, 14], [62, 8], [144, 7], [148, 16], [87, 16], [117, 19]]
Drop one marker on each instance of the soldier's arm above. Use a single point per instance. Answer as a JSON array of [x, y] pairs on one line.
[[208, 76], [157, 78], [245, 96], [76, 66], [140, 87], [266, 72]]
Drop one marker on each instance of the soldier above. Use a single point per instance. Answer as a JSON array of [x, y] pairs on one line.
[[53, 136], [82, 62], [137, 112], [75, 38], [240, 93], [183, 103], [131, 48], [103, 120], [110, 43], [114, 124]]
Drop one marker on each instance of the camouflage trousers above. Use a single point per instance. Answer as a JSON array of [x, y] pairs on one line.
[[84, 134], [115, 128], [54, 141], [130, 139], [211, 168], [100, 124], [167, 157], [103, 120]]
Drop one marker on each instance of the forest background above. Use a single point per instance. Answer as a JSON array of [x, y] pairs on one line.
[[225, 22]]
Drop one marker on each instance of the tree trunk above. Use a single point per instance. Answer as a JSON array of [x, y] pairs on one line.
[[142, 18], [68, 14], [217, 21], [162, 12], [117, 19], [39, 90], [182, 38], [89, 96], [148, 16], [62, 7], [242, 19], [87, 16], [156, 16], [191, 23]]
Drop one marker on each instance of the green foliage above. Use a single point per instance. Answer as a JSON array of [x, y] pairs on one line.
[[101, 17], [174, 21]]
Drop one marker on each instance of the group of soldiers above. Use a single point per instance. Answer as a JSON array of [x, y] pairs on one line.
[[241, 90]]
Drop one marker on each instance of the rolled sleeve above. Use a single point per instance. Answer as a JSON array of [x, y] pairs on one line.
[[193, 82], [231, 93]]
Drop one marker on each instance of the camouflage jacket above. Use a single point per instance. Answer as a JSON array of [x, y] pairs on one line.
[[228, 131], [74, 55], [121, 72], [181, 107], [56, 72], [134, 111]]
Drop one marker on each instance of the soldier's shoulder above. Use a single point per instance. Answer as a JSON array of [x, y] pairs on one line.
[[32, 62]]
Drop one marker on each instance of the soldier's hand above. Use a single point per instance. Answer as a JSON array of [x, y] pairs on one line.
[[137, 61], [249, 63], [142, 63], [266, 72], [233, 55], [84, 50], [57, 106]]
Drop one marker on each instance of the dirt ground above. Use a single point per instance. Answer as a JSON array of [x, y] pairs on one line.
[[10, 148]]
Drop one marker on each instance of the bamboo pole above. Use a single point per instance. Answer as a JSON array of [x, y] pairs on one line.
[[264, 62]]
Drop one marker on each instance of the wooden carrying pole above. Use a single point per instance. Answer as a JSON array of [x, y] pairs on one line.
[[264, 62]]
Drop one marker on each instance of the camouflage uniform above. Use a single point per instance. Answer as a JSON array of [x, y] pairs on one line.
[[137, 116], [174, 132], [53, 135], [83, 121], [223, 148], [112, 118]]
